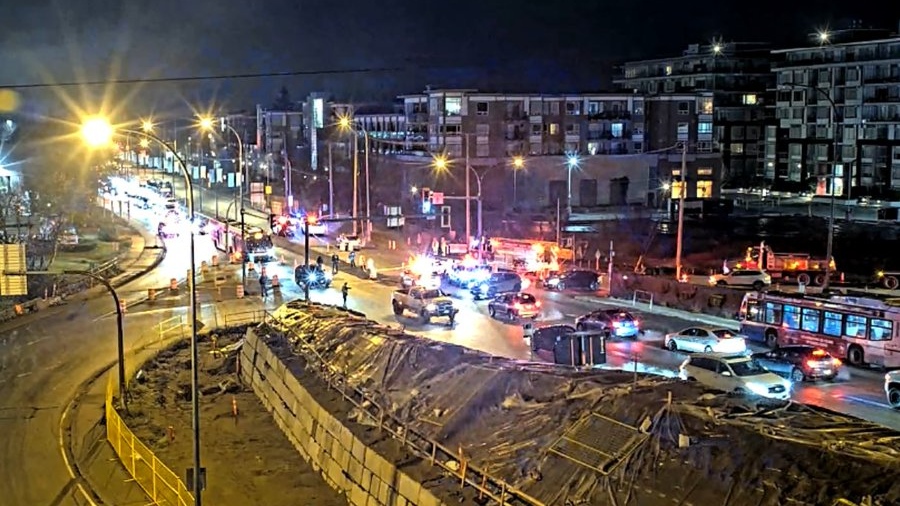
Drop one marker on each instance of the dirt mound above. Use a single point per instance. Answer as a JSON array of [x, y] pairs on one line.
[[561, 436]]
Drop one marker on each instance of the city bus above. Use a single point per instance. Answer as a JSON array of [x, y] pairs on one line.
[[863, 329], [251, 243]]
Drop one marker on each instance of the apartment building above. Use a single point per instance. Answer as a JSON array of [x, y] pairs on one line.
[[738, 76], [843, 92], [615, 137]]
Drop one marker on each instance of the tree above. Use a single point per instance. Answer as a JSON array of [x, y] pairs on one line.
[[283, 100]]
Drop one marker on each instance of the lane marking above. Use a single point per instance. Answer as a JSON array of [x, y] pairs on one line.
[[862, 400]]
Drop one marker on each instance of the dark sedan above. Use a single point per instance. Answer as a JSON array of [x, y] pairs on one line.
[[799, 363]]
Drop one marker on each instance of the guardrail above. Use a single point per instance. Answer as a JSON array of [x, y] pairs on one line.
[[487, 485], [170, 328], [643, 297], [160, 483]]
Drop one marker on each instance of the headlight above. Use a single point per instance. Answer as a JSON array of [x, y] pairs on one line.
[[553, 281], [430, 307], [758, 389]]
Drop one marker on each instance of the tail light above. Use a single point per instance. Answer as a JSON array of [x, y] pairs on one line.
[[812, 363], [517, 306], [537, 304], [637, 323]]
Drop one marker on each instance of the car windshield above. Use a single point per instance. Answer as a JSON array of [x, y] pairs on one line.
[[723, 333], [747, 368], [432, 294]]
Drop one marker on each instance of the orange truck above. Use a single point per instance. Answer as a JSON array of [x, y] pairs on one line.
[[786, 267]]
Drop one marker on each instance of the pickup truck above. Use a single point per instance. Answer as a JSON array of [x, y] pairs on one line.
[[424, 302]]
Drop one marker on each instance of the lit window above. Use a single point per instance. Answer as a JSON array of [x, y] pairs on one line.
[[704, 171], [554, 128], [617, 129], [704, 189], [677, 189], [737, 148], [683, 128], [453, 106], [668, 70], [749, 99], [704, 127]]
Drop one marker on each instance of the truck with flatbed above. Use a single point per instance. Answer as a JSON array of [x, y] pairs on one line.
[[424, 302], [800, 268]]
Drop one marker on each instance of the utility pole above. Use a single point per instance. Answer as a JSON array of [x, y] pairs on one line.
[[609, 267], [368, 188], [680, 237], [330, 182], [355, 182], [468, 196]]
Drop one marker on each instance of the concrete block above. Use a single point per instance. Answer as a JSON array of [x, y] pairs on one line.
[[346, 438], [314, 452], [336, 473], [408, 487], [306, 419], [373, 501], [357, 496], [399, 500], [358, 450], [355, 470], [381, 467], [377, 488], [426, 498]]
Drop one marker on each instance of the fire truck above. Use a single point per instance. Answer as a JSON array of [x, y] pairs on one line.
[[528, 255], [799, 267], [253, 244]]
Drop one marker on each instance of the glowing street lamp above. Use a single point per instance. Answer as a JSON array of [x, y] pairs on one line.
[[206, 123], [97, 132], [345, 123], [571, 162], [145, 143], [518, 163], [823, 36], [441, 163], [147, 125]]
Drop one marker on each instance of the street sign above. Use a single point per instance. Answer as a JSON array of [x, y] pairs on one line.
[[12, 270], [437, 198]]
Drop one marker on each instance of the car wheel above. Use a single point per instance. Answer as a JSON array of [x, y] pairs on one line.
[[512, 316], [579, 327], [797, 375], [672, 345], [594, 286], [758, 285], [398, 309], [856, 356], [707, 349], [561, 286], [492, 311], [771, 339], [721, 283], [424, 317], [893, 397]]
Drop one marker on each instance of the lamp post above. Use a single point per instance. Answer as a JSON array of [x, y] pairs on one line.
[[99, 132], [679, 239], [346, 123], [518, 163], [835, 119], [120, 330], [441, 163], [571, 162], [207, 124]]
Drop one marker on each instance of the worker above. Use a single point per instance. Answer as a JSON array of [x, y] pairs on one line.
[[345, 290], [352, 258], [263, 289], [334, 263]]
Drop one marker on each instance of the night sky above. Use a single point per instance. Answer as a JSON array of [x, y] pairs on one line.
[[489, 44]]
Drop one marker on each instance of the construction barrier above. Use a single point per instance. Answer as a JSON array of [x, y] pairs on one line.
[[123, 306], [251, 267], [173, 284], [275, 282], [204, 267], [240, 291], [215, 260], [370, 268], [151, 294], [159, 482]]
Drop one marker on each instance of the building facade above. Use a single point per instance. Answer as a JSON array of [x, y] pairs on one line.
[[739, 78], [838, 110]]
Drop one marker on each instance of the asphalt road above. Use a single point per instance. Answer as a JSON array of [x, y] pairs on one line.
[[45, 356]]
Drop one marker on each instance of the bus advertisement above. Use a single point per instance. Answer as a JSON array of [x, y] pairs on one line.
[[863, 329]]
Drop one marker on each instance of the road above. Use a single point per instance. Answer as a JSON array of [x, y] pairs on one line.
[[859, 392], [45, 356]]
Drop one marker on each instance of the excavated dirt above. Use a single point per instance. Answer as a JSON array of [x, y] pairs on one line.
[[248, 459], [636, 444]]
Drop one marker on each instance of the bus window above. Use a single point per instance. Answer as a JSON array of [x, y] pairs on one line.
[[773, 313], [880, 330], [833, 324], [810, 322], [791, 317], [753, 313], [856, 326]]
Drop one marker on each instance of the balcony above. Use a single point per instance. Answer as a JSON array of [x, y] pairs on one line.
[[609, 115]]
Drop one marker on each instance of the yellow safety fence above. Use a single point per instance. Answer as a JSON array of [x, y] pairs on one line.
[[158, 481]]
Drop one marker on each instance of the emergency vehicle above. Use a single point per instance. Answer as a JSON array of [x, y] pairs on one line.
[[528, 256], [253, 244]]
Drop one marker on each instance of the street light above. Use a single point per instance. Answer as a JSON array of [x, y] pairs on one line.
[[571, 162], [346, 124], [147, 126], [98, 132], [441, 164], [518, 163], [835, 119], [207, 124]]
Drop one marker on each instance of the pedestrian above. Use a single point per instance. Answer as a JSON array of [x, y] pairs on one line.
[[335, 259], [263, 289], [320, 262], [352, 259], [345, 290]]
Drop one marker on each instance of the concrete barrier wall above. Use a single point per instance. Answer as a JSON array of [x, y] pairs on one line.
[[346, 463], [712, 300]]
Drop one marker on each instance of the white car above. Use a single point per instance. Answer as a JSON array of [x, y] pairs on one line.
[[738, 374], [706, 339], [68, 237], [348, 242], [757, 279], [892, 388]]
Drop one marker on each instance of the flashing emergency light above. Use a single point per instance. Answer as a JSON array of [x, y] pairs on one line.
[[257, 235]]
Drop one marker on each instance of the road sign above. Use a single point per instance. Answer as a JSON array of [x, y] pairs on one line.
[[12, 270], [437, 198]]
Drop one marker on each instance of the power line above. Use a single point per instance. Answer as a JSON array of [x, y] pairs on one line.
[[215, 77]]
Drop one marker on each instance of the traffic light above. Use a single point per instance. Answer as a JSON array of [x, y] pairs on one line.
[[311, 219], [426, 194], [426, 200]]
